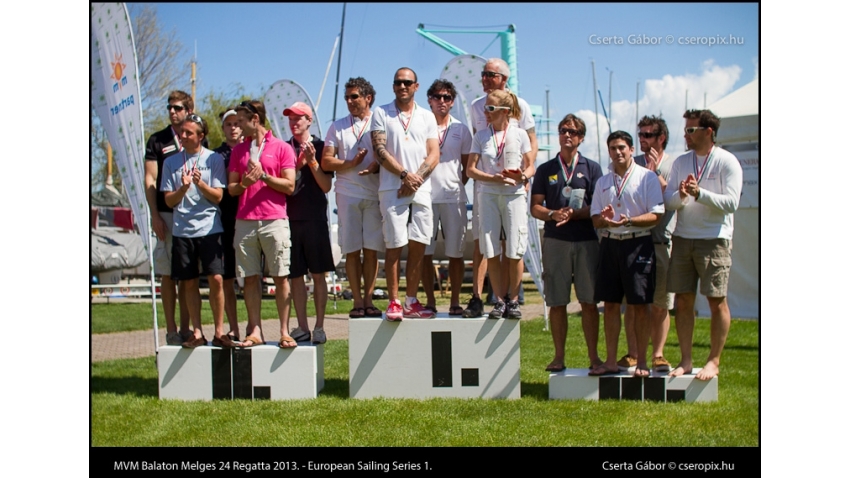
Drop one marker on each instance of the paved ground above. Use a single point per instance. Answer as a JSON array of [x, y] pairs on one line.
[[141, 343]]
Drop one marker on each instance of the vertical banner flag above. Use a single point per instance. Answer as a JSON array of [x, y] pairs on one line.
[[282, 95], [534, 252], [116, 98]]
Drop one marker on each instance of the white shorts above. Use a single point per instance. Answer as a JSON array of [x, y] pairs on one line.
[[503, 212], [476, 230], [451, 217], [162, 250], [359, 224], [405, 219]]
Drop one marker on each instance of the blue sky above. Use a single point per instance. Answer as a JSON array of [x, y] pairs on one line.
[[254, 45]]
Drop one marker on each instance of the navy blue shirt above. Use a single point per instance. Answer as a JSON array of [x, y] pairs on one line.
[[549, 181]]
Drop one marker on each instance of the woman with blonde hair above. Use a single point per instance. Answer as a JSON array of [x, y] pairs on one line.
[[501, 159]]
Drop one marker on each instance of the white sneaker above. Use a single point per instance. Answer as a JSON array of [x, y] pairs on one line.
[[319, 336]]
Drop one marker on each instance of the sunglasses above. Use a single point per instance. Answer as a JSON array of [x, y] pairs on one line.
[[492, 108], [351, 97], [648, 135], [177, 108], [568, 131], [403, 82], [693, 129], [445, 98], [195, 119], [247, 104], [490, 74]]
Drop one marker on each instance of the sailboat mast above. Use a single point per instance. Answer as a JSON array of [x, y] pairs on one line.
[[339, 60]]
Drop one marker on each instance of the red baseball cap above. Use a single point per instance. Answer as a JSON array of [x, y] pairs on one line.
[[298, 109]]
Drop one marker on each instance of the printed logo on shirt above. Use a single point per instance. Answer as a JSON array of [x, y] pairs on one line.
[[553, 179], [169, 149]]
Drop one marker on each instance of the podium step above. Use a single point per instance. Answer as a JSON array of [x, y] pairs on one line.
[[576, 384], [262, 372]]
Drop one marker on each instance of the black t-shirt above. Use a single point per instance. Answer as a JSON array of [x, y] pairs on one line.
[[549, 181], [228, 203], [161, 145], [308, 202]]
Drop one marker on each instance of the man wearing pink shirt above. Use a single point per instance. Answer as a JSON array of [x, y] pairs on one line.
[[262, 174]]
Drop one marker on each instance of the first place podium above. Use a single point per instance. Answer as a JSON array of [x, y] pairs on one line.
[[261, 372], [440, 357]]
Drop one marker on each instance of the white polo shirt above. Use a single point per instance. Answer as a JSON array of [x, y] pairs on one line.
[[446, 179], [407, 147], [479, 121], [640, 195], [348, 135], [516, 144]]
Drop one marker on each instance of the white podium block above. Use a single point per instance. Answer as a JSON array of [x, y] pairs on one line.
[[262, 372], [576, 384], [442, 357]]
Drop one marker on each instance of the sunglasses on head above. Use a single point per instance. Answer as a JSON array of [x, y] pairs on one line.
[[647, 135], [247, 104], [490, 74], [570, 131], [195, 119], [177, 108], [403, 82], [492, 108], [445, 98], [693, 129]]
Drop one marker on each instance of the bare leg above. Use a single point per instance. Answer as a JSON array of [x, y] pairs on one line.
[[495, 267], [456, 279], [721, 320], [631, 336], [217, 303], [507, 275], [282, 299], [415, 253], [391, 271], [641, 313], [354, 270], [685, 332], [479, 270], [168, 292], [590, 326], [660, 327], [253, 299], [558, 322], [230, 305], [193, 299], [320, 298], [299, 299], [428, 279], [515, 275], [370, 274], [183, 305], [612, 335]]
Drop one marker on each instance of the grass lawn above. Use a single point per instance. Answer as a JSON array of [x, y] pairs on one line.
[[125, 410]]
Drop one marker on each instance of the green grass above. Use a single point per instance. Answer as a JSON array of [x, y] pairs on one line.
[[126, 411]]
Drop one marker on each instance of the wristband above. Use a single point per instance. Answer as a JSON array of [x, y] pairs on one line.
[[403, 174]]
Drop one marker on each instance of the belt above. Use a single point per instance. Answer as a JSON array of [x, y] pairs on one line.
[[623, 237]]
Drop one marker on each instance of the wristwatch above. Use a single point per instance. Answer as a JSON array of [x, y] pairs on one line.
[[403, 174], [524, 179], [628, 222], [264, 177], [551, 213]]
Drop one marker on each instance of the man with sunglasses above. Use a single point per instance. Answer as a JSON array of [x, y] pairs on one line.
[[561, 196], [653, 137], [448, 195], [193, 182], [262, 174], [705, 189], [404, 137], [159, 145], [494, 76], [348, 152]]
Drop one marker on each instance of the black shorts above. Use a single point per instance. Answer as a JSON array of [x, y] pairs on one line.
[[626, 268], [229, 251], [311, 248], [186, 253]]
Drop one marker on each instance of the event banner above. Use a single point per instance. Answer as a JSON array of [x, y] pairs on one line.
[[116, 98]]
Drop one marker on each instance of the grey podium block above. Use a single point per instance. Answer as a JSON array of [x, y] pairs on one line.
[[262, 372], [424, 358], [576, 384]]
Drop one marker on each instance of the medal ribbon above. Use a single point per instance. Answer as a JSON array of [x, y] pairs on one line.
[[499, 149], [622, 186], [359, 135], [700, 171], [186, 160], [406, 126], [445, 134], [568, 177]]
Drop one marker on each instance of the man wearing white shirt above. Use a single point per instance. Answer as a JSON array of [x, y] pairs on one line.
[[627, 203], [348, 152], [448, 195], [404, 137], [705, 189]]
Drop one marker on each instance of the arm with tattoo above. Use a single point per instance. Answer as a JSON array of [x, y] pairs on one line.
[[382, 155]]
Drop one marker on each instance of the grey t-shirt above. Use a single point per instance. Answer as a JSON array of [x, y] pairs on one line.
[[195, 215]]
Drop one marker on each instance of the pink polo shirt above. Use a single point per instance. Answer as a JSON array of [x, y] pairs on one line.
[[260, 202]]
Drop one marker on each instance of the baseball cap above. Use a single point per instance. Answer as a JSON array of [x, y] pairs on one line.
[[299, 109]]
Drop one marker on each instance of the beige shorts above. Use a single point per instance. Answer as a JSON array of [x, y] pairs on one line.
[[162, 250], [359, 224], [270, 238], [705, 260], [662, 299], [405, 219], [508, 213], [451, 217]]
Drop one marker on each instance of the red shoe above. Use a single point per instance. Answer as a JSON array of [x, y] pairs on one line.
[[417, 311], [394, 312]]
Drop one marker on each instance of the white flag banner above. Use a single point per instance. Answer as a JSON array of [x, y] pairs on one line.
[[464, 71], [281, 95], [116, 98]]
